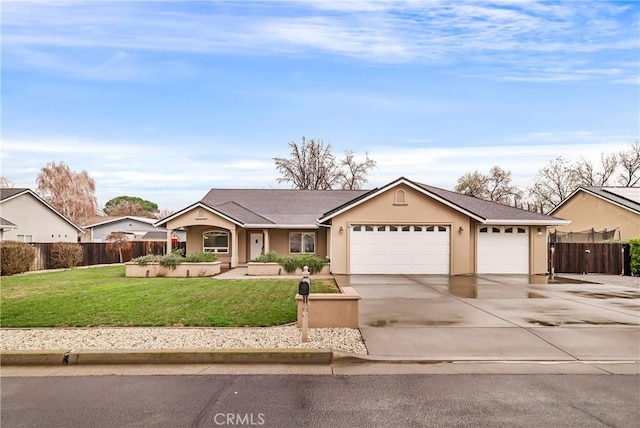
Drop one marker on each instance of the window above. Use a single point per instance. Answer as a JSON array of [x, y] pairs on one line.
[[357, 228], [508, 230], [368, 228], [442, 229], [406, 228], [302, 243], [400, 198], [483, 230], [521, 230], [495, 230], [382, 228], [417, 228], [393, 229], [216, 242], [25, 238]]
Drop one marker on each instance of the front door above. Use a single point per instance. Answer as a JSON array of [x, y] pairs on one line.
[[256, 246]]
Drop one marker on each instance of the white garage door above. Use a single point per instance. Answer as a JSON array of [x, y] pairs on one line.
[[399, 249], [503, 249]]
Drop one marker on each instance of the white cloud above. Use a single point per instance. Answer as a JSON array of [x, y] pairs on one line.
[[517, 35], [174, 178]]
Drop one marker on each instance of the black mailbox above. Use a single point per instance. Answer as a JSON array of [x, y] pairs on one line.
[[304, 288]]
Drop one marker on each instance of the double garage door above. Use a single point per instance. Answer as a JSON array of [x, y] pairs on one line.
[[426, 249], [400, 249]]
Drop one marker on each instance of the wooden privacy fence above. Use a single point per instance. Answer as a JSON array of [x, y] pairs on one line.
[[590, 258], [97, 254]]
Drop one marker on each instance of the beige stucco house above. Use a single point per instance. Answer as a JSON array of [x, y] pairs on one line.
[[600, 209], [27, 217], [401, 228]]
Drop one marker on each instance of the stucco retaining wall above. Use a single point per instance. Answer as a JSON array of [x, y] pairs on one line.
[[330, 310]]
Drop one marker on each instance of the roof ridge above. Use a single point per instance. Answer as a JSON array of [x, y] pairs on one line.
[[245, 208]]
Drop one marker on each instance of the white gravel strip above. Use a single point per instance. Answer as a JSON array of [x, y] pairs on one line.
[[76, 339]]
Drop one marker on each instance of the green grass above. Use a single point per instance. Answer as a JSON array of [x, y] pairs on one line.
[[105, 297]]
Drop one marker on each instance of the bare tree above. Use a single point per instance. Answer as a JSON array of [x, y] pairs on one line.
[[118, 241], [496, 186], [313, 166], [5, 182], [473, 184], [586, 173], [553, 184], [629, 161], [353, 174], [71, 193]]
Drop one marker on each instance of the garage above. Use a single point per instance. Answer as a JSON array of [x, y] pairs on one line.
[[503, 249], [399, 249]]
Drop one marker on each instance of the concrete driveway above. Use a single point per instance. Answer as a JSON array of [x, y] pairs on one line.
[[497, 318]]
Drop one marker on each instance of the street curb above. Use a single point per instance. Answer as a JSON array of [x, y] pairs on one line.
[[178, 356]]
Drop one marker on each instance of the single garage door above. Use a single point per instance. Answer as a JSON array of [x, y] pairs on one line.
[[399, 249], [503, 249]]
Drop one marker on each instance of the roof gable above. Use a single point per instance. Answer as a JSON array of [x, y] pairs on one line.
[[9, 193], [485, 212], [100, 221], [624, 197]]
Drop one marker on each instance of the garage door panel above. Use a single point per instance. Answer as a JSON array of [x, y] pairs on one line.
[[387, 251], [500, 251]]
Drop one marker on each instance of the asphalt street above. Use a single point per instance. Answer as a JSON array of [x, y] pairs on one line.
[[322, 401]]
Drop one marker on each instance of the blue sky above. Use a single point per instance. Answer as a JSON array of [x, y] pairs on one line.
[[165, 100]]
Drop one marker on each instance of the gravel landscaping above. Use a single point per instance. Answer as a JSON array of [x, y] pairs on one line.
[[287, 337]]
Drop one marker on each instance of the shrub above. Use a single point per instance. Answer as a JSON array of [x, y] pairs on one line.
[[171, 260], [634, 243], [15, 257], [66, 255], [314, 263], [270, 257], [145, 260], [200, 258]]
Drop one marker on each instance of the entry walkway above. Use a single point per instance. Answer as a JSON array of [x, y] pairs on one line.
[[497, 318]]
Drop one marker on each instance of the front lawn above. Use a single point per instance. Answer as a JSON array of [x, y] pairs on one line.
[[105, 297]]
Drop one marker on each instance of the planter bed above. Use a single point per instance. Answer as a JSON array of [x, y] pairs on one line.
[[275, 269], [183, 270]]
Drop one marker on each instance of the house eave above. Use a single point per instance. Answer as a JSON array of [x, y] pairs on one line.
[[280, 226], [550, 222]]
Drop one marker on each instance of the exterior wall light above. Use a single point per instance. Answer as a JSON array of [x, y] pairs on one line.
[[460, 229], [341, 229]]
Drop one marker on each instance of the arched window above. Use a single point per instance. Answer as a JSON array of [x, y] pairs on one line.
[[400, 198], [215, 241]]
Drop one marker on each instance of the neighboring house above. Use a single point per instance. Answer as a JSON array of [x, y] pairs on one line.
[[602, 209], [98, 228], [27, 217], [401, 228]]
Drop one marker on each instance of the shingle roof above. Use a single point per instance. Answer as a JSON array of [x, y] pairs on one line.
[[8, 192], [6, 223], [277, 206], [486, 210]]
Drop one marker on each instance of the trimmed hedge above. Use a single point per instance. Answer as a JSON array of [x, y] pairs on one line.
[[634, 243], [15, 257], [291, 263]]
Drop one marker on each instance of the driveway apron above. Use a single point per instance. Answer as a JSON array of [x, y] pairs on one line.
[[496, 318]]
